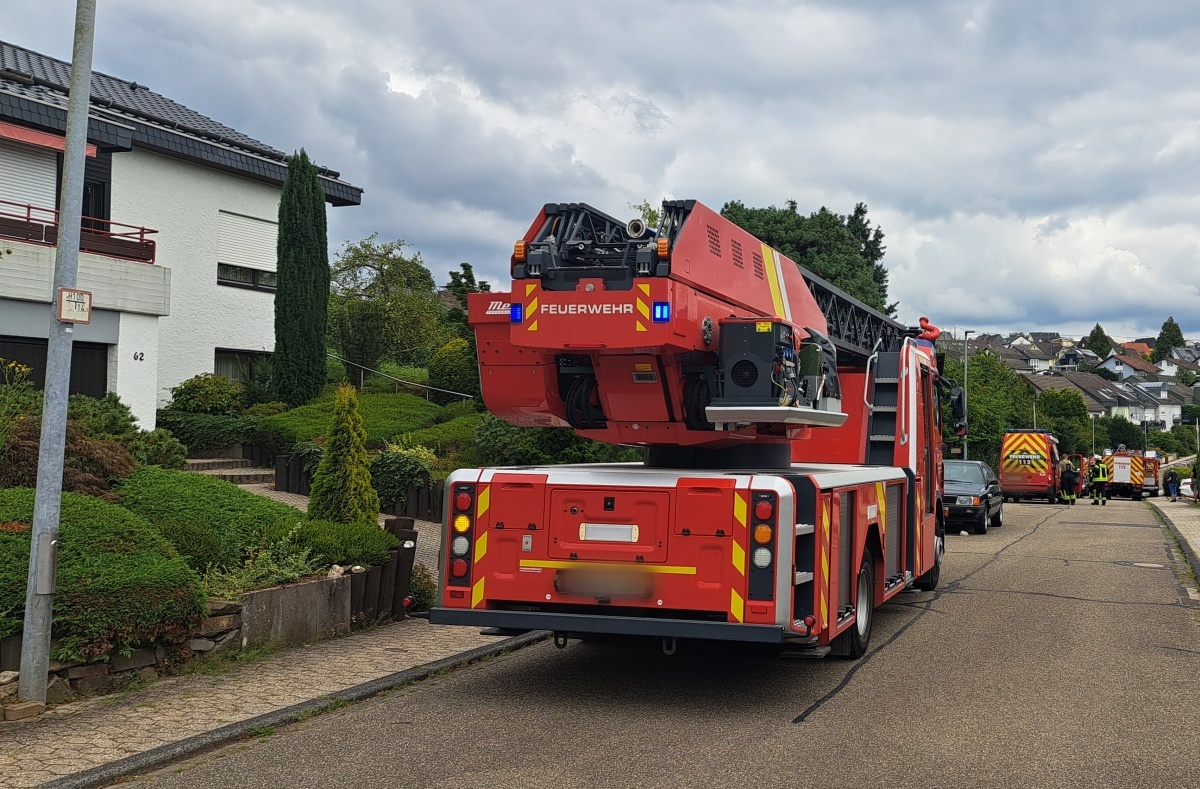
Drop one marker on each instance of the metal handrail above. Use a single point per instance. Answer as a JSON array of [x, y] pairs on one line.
[[427, 389], [48, 217]]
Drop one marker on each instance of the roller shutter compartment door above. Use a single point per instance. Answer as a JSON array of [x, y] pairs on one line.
[[27, 176]]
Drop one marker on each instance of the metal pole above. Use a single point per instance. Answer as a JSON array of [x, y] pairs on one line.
[[43, 551], [1093, 416], [966, 422]]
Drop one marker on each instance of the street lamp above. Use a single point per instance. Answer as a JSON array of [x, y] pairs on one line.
[[1093, 416], [966, 333]]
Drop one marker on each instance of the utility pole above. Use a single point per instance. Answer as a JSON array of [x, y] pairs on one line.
[[43, 550], [966, 425]]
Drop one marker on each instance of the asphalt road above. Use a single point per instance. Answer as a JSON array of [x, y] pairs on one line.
[[1062, 650]]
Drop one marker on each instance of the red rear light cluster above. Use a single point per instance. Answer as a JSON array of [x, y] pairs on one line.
[[459, 535], [762, 546]]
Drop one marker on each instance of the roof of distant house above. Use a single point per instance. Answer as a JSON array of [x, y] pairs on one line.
[[33, 92], [1138, 348], [1137, 363]]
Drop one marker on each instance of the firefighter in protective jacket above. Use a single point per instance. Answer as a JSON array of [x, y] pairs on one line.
[[1098, 481]]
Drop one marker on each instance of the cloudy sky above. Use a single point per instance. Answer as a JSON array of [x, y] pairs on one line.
[[1034, 165]]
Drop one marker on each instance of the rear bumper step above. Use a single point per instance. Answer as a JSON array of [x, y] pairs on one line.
[[611, 625]]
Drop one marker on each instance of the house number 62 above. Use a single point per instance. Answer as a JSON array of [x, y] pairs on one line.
[[139, 356]]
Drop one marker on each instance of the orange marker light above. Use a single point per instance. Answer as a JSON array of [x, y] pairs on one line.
[[664, 248], [462, 524], [520, 251], [762, 534]]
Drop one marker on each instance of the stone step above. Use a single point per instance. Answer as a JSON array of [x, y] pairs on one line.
[[242, 476], [208, 464]]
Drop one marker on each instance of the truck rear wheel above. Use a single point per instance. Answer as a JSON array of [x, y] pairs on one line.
[[853, 643]]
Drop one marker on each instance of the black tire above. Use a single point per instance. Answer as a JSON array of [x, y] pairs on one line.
[[998, 518], [929, 581], [854, 642], [1137, 496], [981, 525]]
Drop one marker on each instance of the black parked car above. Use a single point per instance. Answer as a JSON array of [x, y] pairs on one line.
[[972, 495]]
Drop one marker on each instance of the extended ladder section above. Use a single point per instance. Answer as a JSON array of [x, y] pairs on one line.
[[885, 421]]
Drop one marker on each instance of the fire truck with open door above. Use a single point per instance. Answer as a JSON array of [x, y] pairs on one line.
[[792, 480]]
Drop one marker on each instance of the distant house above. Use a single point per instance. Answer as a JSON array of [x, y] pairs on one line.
[[1170, 367], [1039, 355], [1128, 366], [1044, 336], [178, 244], [1186, 353], [1136, 348], [1069, 358], [1018, 340]]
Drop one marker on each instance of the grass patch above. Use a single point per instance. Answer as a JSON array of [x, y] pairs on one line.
[[384, 416]]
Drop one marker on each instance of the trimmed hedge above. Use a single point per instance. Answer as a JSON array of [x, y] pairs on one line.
[[120, 584], [383, 415], [188, 507], [335, 543], [207, 431]]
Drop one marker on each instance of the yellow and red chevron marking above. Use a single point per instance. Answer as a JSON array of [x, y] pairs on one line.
[[740, 532], [823, 585], [531, 306], [643, 307], [1024, 451], [483, 501]]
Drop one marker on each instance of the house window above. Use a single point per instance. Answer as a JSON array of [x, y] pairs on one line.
[[241, 366], [241, 277]]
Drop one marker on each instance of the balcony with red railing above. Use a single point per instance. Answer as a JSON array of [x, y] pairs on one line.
[[39, 226]]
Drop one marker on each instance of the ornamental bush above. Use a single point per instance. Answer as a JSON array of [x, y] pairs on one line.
[[454, 368], [157, 448], [335, 543], [341, 488], [120, 584], [398, 468], [207, 431], [189, 503], [207, 393], [90, 466], [383, 416]]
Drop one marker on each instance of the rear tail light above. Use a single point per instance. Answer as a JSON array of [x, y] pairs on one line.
[[761, 575], [462, 523]]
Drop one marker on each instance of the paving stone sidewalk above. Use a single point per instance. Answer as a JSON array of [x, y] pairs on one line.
[[1184, 519], [80, 735]]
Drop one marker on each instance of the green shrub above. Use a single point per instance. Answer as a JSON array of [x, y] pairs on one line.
[[207, 393], [422, 588], [208, 431], [266, 409], [341, 487], [19, 401], [383, 416], [443, 438], [502, 444], [120, 584], [198, 543], [281, 562], [454, 368], [157, 448], [195, 501], [310, 453], [459, 408], [107, 418], [90, 466], [336, 543], [398, 468]]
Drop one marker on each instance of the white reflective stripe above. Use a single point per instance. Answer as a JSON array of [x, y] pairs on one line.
[[777, 261]]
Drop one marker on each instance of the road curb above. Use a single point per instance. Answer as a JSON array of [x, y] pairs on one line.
[[1189, 551], [166, 754]]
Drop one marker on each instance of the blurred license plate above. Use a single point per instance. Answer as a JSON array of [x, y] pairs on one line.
[[608, 532], [604, 583]]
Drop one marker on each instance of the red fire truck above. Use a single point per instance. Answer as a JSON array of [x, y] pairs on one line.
[[792, 480]]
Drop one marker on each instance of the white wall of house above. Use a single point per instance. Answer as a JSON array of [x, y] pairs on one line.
[[135, 359], [184, 201]]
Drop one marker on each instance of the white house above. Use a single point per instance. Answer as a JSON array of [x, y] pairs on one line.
[[1128, 366], [178, 246]]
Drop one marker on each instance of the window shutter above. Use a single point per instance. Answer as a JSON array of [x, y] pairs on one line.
[[246, 241], [27, 176]]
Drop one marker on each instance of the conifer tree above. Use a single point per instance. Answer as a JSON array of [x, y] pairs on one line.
[[302, 286], [341, 487], [1169, 338]]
